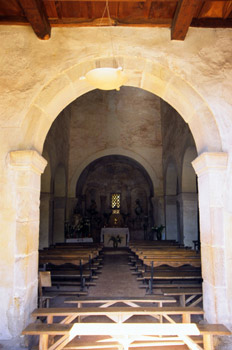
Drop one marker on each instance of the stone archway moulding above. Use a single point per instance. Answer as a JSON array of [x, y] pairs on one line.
[[107, 152], [142, 73]]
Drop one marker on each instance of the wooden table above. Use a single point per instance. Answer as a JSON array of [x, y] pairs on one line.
[[127, 333]]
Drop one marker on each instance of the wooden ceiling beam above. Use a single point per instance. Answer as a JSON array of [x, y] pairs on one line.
[[68, 22], [199, 1], [183, 17], [37, 17], [212, 23]]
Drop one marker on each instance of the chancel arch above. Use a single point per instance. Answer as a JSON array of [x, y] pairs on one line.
[[122, 176], [110, 152]]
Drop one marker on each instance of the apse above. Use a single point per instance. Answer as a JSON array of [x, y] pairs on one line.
[[116, 177]]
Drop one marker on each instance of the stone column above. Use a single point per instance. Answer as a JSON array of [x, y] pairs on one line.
[[59, 219], [211, 171], [171, 217], [45, 222], [25, 170], [188, 217]]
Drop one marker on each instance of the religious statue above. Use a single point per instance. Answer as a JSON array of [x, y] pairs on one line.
[[138, 212], [93, 208], [116, 220], [138, 208]]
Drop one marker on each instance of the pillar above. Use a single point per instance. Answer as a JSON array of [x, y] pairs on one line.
[[45, 228], [189, 218], [171, 217], [24, 177], [211, 171]]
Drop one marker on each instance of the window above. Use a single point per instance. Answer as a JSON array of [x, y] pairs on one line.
[[116, 202]]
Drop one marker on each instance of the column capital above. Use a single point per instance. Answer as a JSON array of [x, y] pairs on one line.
[[215, 161], [27, 160]]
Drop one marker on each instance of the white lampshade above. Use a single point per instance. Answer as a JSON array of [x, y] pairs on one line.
[[106, 78]]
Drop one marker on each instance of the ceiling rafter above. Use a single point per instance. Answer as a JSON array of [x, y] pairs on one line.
[[182, 19], [37, 17], [227, 9]]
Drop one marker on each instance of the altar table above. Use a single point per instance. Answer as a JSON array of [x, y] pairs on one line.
[[108, 232], [79, 240]]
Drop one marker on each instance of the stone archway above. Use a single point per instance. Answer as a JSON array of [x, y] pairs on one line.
[[153, 77], [128, 178], [113, 151], [144, 74]]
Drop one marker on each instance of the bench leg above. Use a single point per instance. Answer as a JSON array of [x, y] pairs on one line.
[[208, 341], [186, 318], [182, 300], [43, 342], [150, 283]]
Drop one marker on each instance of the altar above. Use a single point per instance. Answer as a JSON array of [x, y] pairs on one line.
[[108, 232], [79, 240]]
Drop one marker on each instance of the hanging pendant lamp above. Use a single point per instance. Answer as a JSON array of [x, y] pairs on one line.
[[106, 78]]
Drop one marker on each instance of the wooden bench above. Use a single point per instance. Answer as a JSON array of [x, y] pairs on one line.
[[62, 269], [118, 314], [149, 278], [45, 290], [160, 300], [73, 265], [153, 257], [187, 296], [127, 333]]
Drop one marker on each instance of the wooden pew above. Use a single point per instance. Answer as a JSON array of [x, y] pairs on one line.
[[83, 265], [127, 333], [76, 270], [153, 257], [45, 282]]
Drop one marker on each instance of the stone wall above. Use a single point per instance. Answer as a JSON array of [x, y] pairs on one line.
[[40, 78], [181, 201], [54, 185], [128, 119]]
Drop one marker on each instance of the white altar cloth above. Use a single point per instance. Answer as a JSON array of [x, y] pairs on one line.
[[108, 232], [79, 240]]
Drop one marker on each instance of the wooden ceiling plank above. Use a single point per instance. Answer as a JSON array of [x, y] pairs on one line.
[[37, 17], [227, 9], [147, 8], [183, 17]]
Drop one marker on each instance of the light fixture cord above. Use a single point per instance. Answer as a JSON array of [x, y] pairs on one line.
[[107, 10], [111, 38]]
